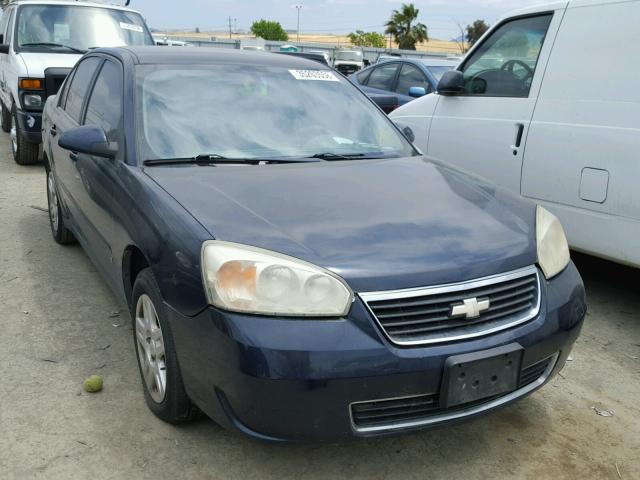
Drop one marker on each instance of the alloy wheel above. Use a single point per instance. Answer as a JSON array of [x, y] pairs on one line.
[[151, 352]]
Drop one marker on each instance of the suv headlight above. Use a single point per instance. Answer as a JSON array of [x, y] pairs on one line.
[[247, 279], [553, 249]]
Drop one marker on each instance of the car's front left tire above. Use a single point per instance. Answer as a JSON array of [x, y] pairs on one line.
[[24, 152], [164, 390], [61, 234]]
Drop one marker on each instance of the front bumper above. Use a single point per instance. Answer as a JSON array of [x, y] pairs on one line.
[[296, 380], [30, 124]]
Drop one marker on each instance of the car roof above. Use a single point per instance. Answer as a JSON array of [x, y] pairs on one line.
[[72, 3], [427, 62], [158, 55]]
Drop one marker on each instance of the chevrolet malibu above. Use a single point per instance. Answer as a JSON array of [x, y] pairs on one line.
[[294, 267]]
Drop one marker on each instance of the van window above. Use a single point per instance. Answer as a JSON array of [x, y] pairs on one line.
[[3, 24], [79, 86], [505, 63]]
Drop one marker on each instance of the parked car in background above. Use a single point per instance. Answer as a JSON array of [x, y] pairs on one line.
[[406, 78], [348, 61], [324, 54], [40, 41], [165, 41], [529, 109], [294, 267]]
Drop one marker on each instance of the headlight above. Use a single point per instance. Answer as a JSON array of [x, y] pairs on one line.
[[252, 280], [32, 100], [553, 249]]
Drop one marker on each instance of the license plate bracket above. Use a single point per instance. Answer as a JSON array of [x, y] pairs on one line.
[[472, 377]]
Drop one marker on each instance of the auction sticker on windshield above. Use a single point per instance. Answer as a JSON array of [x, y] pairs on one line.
[[132, 27], [322, 75]]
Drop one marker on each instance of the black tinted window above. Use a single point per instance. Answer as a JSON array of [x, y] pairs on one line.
[[62, 94], [105, 104], [79, 86], [411, 76], [383, 77]]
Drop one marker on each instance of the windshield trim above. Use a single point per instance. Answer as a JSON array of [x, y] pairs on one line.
[[18, 49]]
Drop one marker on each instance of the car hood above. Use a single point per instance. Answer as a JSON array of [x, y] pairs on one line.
[[36, 63], [379, 224]]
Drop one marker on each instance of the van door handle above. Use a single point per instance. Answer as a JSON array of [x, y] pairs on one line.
[[519, 132]]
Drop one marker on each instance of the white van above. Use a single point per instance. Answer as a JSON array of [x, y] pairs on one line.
[[546, 104], [40, 40]]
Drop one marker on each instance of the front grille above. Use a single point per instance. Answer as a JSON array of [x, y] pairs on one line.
[[417, 409], [347, 69], [419, 316]]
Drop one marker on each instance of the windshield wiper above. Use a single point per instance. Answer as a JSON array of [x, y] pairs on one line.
[[53, 45], [220, 160], [328, 156]]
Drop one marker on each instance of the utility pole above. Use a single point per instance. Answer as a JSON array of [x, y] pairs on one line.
[[230, 28], [298, 7]]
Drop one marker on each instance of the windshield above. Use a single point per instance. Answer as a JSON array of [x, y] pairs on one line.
[[65, 28], [349, 56], [253, 112], [439, 71]]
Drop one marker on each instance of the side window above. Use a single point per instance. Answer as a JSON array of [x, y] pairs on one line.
[[62, 95], [9, 32], [505, 63], [4, 22], [79, 86], [411, 76], [364, 76], [105, 104], [383, 76]]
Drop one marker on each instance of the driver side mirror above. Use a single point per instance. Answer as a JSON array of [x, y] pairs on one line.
[[90, 140], [451, 83], [417, 92]]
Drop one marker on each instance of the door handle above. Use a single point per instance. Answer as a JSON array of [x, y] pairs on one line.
[[53, 131], [73, 156], [519, 132]]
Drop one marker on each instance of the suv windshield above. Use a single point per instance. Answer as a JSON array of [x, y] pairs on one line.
[[258, 112], [67, 28]]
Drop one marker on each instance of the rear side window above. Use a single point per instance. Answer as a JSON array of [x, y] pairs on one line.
[[364, 76], [411, 76], [79, 86], [383, 77], [62, 95], [505, 64], [105, 104]]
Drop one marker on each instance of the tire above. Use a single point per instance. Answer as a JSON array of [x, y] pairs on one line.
[[155, 352], [24, 152], [6, 119], [61, 234]]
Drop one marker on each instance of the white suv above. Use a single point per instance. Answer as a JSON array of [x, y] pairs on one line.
[[39, 43]]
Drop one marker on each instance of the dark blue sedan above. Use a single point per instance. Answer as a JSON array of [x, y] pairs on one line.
[[405, 78], [294, 268]]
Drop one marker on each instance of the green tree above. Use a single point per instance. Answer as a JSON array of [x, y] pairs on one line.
[[360, 38], [405, 29], [269, 30], [476, 30]]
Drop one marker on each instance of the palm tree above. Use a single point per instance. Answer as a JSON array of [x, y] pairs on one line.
[[404, 31]]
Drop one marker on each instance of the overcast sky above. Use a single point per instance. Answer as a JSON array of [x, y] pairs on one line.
[[321, 16]]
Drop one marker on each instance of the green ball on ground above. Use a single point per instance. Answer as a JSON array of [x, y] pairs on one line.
[[93, 384]]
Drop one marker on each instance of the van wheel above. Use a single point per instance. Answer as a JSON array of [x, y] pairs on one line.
[[24, 152], [6, 119], [164, 390]]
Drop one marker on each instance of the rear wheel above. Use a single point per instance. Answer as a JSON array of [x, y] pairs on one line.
[[24, 152], [164, 390], [61, 234], [6, 119]]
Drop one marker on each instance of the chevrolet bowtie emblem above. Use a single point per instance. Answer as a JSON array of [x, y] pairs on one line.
[[470, 308]]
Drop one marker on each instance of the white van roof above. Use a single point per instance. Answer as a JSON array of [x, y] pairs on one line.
[[93, 3], [547, 7]]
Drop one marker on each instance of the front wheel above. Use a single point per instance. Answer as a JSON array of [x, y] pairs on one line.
[[61, 234], [24, 152], [164, 390]]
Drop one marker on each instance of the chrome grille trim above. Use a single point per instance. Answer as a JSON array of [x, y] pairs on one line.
[[477, 327], [457, 414]]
